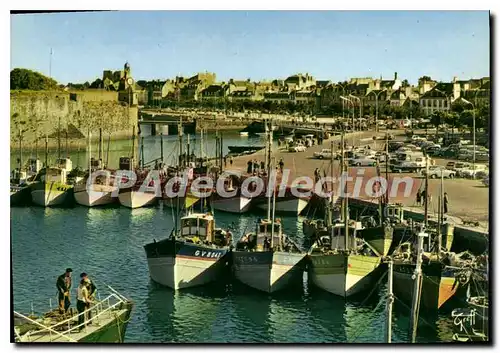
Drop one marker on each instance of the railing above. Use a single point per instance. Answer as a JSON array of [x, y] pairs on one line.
[[99, 313]]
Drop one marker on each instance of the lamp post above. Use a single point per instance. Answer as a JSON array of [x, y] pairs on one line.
[[474, 105], [359, 100], [376, 108], [343, 94], [350, 101]]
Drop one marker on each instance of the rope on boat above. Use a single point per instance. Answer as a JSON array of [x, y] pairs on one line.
[[376, 308]]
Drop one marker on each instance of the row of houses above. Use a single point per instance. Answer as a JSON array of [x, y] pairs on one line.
[[366, 92]]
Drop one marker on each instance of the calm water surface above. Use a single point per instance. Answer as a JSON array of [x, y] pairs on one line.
[[108, 244]]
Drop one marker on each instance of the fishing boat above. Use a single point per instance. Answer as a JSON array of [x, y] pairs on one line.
[[267, 259], [443, 275], [19, 189], [108, 324], [98, 191], [238, 202], [50, 187], [196, 255], [288, 204], [145, 192], [340, 262]]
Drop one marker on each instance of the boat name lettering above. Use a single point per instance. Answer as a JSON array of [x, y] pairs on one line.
[[209, 254]]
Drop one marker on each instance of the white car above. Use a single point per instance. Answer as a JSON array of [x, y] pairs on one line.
[[324, 154], [436, 171], [297, 148], [362, 162], [473, 172]]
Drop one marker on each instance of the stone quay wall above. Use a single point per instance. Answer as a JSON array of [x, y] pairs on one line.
[[40, 113]]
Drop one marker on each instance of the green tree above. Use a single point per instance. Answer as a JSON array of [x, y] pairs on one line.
[[425, 78], [467, 119], [438, 118], [32, 80], [452, 119], [98, 83]]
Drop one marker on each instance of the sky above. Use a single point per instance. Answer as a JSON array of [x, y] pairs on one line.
[[260, 45]]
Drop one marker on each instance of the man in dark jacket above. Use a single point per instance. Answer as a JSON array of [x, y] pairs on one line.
[[63, 285]]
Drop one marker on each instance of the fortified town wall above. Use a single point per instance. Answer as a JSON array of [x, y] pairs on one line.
[[39, 113]]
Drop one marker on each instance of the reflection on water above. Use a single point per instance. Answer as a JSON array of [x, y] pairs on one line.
[[107, 243]]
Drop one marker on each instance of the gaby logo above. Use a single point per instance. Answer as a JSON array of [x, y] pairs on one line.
[[345, 185]]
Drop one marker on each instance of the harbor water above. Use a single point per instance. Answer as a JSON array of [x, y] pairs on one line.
[[107, 243]]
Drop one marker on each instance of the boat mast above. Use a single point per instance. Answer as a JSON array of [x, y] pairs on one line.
[[100, 144], [142, 152], [90, 153], [67, 150], [187, 151], [426, 195], [272, 220], [20, 151], [107, 150], [387, 168], [346, 202], [417, 288], [330, 203], [161, 147], [46, 151], [59, 138], [390, 300], [268, 135], [440, 217], [133, 147]]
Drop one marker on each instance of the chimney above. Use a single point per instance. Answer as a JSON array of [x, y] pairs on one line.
[[455, 79], [395, 76]]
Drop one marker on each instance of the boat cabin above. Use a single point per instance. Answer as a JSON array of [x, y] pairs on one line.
[[64, 163], [33, 165], [126, 163], [52, 175], [394, 213], [198, 225]]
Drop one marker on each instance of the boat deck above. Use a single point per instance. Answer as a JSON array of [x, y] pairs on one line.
[[76, 334]]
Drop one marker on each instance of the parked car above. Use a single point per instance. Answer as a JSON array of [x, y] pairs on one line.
[[297, 148], [437, 171], [473, 171], [325, 154], [451, 165], [365, 161]]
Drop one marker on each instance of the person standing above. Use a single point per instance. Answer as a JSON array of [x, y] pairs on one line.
[[92, 289], [419, 198], [281, 164], [63, 285], [83, 301], [445, 203], [231, 161]]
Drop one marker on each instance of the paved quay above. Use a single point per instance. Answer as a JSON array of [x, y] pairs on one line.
[[468, 199]]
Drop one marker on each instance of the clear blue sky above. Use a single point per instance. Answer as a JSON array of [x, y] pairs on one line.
[[258, 45]]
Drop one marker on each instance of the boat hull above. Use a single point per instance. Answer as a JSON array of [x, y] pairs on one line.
[[237, 204], [438, 286], [99, 195], [179, 265], [290, 206], [51, 194], [20, 195], [114, 332], [136, 199], [268, 271], [342, 274]]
